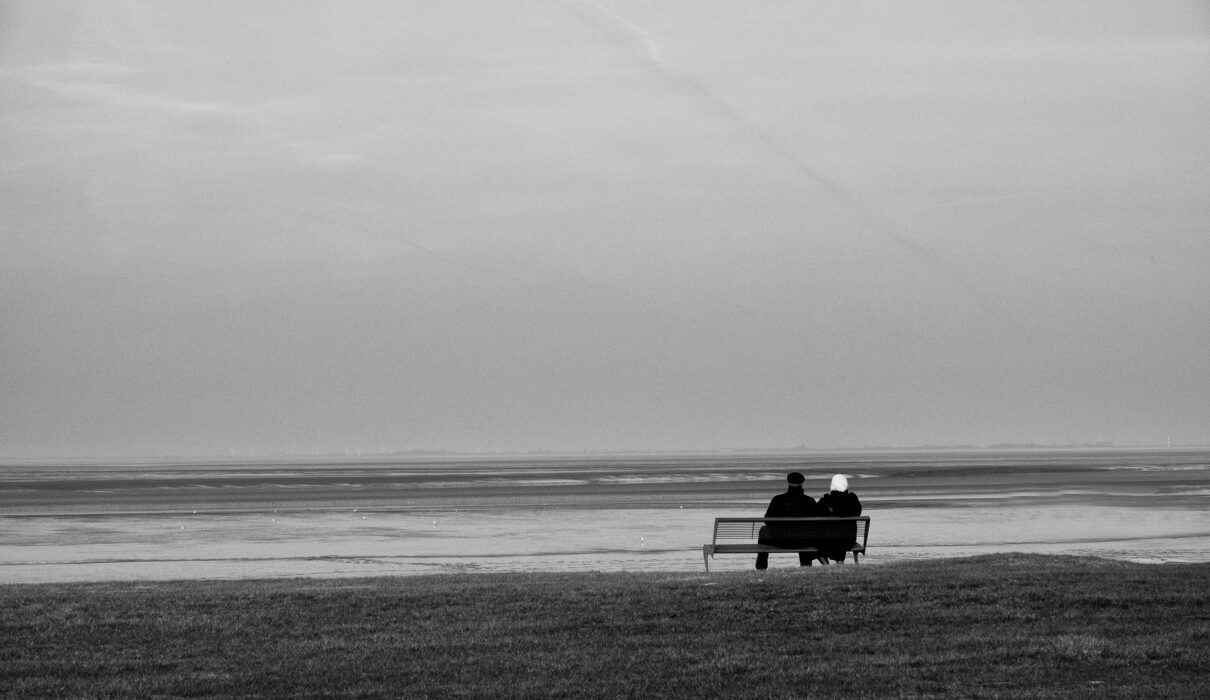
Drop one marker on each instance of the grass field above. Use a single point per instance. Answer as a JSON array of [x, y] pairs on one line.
[[992, 626]]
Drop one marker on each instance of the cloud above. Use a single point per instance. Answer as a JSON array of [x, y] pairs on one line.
[[601, 224]]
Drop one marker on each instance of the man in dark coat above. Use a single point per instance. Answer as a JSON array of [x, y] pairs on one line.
[[794, 503], [842, 502]]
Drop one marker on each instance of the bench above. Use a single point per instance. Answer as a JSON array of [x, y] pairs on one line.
[[740, 535]]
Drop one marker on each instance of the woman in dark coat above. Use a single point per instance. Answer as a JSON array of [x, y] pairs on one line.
[[840, 501]]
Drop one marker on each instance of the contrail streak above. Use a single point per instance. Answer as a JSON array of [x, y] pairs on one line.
[[694, 90]]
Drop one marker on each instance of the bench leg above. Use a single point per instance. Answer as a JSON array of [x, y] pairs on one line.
[[707, 550]]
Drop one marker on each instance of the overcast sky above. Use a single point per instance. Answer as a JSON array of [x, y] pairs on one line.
[[288, 227]]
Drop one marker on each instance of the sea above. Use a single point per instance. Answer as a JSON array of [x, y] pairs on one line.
[[173, 519]]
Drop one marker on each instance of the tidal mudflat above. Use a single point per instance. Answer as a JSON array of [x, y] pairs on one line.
[[229, 519]]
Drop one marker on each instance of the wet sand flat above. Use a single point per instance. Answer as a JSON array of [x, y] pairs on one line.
[[354, 517]]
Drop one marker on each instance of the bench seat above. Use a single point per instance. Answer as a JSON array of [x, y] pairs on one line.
[[741, 535]]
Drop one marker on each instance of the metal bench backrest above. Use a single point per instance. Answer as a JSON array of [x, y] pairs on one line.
[[748, 529]]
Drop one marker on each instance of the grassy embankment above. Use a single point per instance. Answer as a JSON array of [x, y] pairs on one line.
[[985, 626]]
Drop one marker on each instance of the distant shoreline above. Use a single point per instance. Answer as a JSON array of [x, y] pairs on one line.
[[413, 455]]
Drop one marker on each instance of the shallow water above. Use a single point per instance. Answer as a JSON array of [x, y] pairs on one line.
[[150, 521]]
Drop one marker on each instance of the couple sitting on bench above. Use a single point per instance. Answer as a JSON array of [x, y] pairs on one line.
[[794, 503]]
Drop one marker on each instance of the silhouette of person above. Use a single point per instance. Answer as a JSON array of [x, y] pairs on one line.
[[794, 503], [841, 502]]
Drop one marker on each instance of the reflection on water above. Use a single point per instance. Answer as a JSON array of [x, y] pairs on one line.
[[219, 520]]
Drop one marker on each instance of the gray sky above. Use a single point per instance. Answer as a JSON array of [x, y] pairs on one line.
[[326, 226]]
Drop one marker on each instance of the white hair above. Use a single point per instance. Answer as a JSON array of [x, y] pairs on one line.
[[840, 483]]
